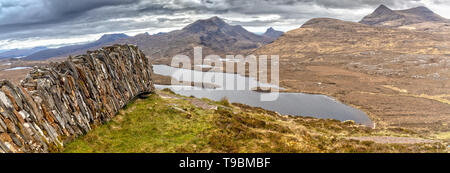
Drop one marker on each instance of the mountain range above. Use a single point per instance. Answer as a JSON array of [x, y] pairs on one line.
[[218, 37], [332, 36], [393, 64], [213, 34], [19, 53], [74, 49], [384, 30], [415, 19], [384, 16]]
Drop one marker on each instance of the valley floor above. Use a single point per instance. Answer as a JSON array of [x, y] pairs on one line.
[[166, 122], [387, 92]]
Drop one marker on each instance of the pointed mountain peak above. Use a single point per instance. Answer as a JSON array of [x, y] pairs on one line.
[[215, 21], [206, 24], [112, 37], [383, 10], [394, 18], [215, 18], [270, 32], [382, 7], [380, 15]]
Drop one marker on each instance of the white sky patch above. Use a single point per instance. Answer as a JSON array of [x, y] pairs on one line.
[[284, 25], [136, 19], [441, 9], [149, 30], [156, 18], [262, 29], [357, 14], [253, 18], [49, 42], [81, 39]]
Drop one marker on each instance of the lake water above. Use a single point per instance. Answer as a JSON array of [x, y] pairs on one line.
[[297, 104], [17, 68], [226, 81]]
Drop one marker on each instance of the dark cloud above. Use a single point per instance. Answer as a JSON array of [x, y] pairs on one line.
[[68, 7], [31, 22], [47, 11]]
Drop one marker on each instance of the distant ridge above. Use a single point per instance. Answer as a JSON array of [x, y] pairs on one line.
[[74, 49], [211, 24], [384, 16], [272, 33], [381, 14], [327, 36], [16, 53], [213, 34]]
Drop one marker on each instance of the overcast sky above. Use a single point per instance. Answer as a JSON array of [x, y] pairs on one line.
[[31, 23]]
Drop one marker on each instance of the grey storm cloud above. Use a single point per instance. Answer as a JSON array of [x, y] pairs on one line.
[[42, 11], [25, 20]]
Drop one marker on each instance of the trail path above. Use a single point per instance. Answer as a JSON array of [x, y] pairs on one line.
[[393, 140]]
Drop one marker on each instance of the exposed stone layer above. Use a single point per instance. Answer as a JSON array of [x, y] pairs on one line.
[[59, 102]]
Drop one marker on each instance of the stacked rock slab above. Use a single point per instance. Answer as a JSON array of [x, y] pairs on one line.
[[62, 101]]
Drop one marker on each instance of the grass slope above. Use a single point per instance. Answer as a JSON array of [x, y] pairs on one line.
[[180, 124]]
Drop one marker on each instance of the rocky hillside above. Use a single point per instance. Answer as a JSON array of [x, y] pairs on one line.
[[383, 16]]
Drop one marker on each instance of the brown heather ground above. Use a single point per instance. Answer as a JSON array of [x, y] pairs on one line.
[[399, 77], [15, 76]]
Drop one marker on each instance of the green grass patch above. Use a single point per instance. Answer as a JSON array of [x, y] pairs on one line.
[[157, 125], [149, 125]]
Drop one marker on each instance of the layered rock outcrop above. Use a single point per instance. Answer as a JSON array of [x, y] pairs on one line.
[[61, 101]]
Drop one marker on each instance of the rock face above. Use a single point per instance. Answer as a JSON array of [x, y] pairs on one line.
[[59, 102]]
